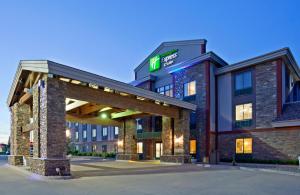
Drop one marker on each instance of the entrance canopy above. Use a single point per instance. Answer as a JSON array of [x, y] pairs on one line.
[[45, 94], [90, 94]]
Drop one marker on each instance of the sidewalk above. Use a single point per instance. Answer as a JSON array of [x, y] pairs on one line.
[[275, 168]]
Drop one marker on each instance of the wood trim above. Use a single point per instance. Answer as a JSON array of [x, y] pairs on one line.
[[279, 86], [207, 108], [114, 100], [260, 130], [25, 98]]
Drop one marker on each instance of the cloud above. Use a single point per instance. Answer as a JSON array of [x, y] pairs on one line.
[[4, 138]]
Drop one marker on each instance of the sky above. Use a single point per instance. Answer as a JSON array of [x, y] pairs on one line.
[[112, 37]]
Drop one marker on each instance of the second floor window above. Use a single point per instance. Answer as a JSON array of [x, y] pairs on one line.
[[243, 83], [243, 112], [76, 135], [84, 134], [166, 90], [189, 88], [104, 132], [94, 133], [243, 115], [139, 126]]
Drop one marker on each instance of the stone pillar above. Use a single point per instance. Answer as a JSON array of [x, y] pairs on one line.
[[180, 153], [36, 119], [127, 149], [20, 145], [50, 151]]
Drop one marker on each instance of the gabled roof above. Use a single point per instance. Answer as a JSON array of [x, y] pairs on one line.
[[49, 67], [170, 43], [284, 53]]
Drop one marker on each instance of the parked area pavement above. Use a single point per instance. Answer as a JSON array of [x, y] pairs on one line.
[[98, 176]]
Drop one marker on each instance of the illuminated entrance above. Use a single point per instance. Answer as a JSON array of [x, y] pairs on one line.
[[158, 150]]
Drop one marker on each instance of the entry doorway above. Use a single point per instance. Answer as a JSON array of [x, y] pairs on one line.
[[158, 150]]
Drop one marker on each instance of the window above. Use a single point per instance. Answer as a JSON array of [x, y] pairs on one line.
[[193, 120], [243, 112], [104, 131], [189, 88], [243, 146], [243, 83], [139, 126], [76, 135], [116, 130], [243, 115], [94, 133], [84, 134], [139, 147], [166, 90], [193, 146], [157, 123]]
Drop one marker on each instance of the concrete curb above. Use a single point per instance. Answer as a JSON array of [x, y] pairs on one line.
[[35, 176], [271, 171]]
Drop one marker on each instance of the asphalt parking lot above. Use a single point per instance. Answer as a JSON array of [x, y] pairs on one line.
[[148, 178]]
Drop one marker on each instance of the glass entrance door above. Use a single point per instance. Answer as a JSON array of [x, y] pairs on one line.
[[158, 150]]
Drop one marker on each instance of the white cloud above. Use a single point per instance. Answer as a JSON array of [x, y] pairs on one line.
[[4, 138]]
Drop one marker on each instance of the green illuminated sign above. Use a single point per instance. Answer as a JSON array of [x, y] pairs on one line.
[[154, 63], [165, 59]]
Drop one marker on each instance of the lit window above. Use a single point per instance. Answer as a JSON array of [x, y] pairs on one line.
[[189, 88], [243, 146], [84, 134], [243, 112], [76, 135], [77, 148], [104, 131], [94, 133], [243, 83], [192, 146], [116, 130], [139, 147]]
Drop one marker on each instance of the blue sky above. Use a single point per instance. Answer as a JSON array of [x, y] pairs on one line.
[[111, 37]]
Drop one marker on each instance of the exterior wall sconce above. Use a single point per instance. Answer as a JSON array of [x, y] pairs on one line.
[[178, 140], [120, 146]]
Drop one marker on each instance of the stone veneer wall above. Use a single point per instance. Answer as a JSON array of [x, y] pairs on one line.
[[266, 94], [128, 141], [181, 129], [267, 145], [20, 115], [196, 73], [50, 109]]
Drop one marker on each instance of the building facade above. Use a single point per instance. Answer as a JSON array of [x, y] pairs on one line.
[[92, 138], [246, 110]]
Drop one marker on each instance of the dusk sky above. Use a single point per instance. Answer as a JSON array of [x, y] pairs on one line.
[[111, 38]]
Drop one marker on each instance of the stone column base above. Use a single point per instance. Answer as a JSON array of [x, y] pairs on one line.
[[15, 160], [48, 167], [127, 157], [176, 158]]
